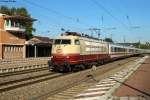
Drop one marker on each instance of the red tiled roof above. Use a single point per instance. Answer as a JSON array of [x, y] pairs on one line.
[[39, 40]]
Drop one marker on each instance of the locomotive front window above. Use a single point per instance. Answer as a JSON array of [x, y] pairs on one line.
[[62, 41], [58, 41], [66, 41]]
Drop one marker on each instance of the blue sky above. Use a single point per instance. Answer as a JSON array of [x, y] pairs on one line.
[[80, 15]]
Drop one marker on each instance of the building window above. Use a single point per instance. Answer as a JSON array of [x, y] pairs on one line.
[[5, 49], [9, 48]]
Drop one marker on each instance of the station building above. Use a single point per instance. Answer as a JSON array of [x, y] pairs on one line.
[[38, 46], [12, 36]]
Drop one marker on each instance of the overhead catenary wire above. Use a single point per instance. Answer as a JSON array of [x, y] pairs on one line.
[[128, 19], [109, 13], [77, 20], [130, 24], [60, 14], [50, 10], [38, 32]]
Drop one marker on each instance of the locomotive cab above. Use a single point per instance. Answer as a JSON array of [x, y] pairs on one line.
[[65, 52]]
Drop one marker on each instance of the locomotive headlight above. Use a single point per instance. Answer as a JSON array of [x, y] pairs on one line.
[[67, 57]]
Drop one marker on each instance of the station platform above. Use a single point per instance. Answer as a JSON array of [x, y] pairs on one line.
[[138, 84], [12, 65], [131, 83]]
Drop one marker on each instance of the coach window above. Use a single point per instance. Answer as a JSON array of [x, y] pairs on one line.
[[77, 42], [112, 49], [115, 49]]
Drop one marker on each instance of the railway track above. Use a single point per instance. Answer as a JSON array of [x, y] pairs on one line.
[[78, 86], [22, 68], [24, 60], [95, 90], [22, 72], [8, 66], [13, 84], [58, 81]]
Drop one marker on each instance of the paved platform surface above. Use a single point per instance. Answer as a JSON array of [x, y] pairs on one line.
[[138, 83], [104, 88]]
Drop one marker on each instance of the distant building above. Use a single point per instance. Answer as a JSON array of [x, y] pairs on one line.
[[12, 36]]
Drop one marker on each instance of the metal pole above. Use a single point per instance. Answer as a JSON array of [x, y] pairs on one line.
[[35, 51]]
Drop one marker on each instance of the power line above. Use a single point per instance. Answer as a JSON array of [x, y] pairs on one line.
[[109, 13], [128, 19], [130, 24], [96, 30], [48, 9], [56, 12], [58, 26], [60, 14]]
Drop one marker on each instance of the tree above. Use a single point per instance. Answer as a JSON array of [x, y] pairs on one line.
[[22, 12], [4, 10], [137, 44], [109, 40], [142, 46]]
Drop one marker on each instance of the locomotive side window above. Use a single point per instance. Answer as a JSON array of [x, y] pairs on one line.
[[77, 42], [62, 41]]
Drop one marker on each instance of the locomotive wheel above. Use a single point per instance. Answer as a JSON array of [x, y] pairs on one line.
[[89, 66], [55, 69], [76, 68], [82, 67], [69, 69], [101, 62]]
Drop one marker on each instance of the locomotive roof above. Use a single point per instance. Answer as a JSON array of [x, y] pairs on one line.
[[68, 37], [75, 35], [79, 35]]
